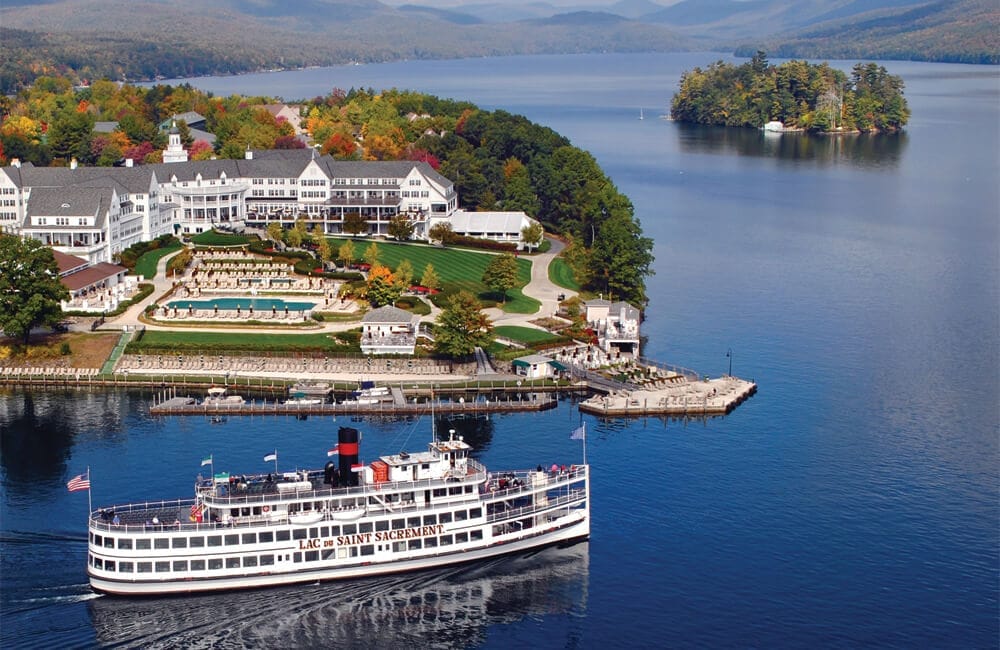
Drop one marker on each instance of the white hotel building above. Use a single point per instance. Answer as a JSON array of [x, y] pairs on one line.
[[96, 212]]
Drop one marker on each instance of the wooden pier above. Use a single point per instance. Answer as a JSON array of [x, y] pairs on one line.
[[697, 398], [187, 406]]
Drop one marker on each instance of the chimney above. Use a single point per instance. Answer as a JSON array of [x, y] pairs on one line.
[[129, 162], [72, 163], [15, 162], [249, 154]]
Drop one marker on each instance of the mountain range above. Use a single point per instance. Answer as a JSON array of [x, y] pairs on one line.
[[143, 39]]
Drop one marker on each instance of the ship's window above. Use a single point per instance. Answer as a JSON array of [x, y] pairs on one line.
[[430, 542], [461, 538], [197, 565], [413, 544], [109, 542], [398, 546], [314, 532], [250, 560], [413, 522], [475, 513], [283, 536], [468, 489], [161, 542], [249, 538], [296, 557], [430, 520], [109, 566], [299, 533], [267, 560], [232, 562], [180, 565], [197, 542], [425, 466], [342, 552], [324, 531], [267, 537], [215, 540], [312, 556], [446, 540], [163, 567], [365, 527], [475, 534], [350, 529], [460, 515], [124, 542], [368, 549], [353, 551], [125, 567], [180, 542], [98, 540], [98, 563], [382, 524], [215, 563], [94, 538], [406, 496], [143, 544], [445, 518], [232, 539], [455, 490], [398, 524], [145, 567], [440, 492], [334, 531]]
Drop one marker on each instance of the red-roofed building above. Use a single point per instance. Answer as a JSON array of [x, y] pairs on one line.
[[93, 287]]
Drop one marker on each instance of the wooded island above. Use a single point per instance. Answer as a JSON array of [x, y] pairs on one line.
[[800, 95]]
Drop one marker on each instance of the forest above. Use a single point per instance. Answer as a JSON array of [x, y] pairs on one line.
[[801, 95], [497, 160]]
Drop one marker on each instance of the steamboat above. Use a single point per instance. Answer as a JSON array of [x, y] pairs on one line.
[[401, 512]]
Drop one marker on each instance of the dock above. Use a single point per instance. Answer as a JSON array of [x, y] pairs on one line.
[[700, 398], [189, 406]]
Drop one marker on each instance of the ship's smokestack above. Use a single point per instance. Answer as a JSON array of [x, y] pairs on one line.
[[347, 442]]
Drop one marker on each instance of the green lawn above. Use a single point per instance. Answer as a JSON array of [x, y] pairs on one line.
[[458, 269], [146, 265], [212, 342], [562, 275], [213, 238], [526, 335]]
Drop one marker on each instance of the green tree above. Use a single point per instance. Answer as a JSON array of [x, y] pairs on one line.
[[501, 274], [70, 134], [324, 250], [382, 286], [346, 253], [274, 231], [621, 257], [354, 223], [532, 235], [404, 273], [30, 289], [462, 326], [294, 237], [429, 278], [442, 232], [400, 228], [371, 254]]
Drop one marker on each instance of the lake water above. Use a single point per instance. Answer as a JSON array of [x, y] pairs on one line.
[[852, 502]]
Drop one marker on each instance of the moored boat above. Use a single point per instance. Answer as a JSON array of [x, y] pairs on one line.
[[401, 512]]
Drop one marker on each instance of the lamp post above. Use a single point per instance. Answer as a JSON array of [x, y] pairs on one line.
[[729, 353]]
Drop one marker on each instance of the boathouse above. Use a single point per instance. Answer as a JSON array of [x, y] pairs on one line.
[[389, 330]]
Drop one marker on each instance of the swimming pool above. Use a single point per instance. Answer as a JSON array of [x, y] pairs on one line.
[[258, 304]]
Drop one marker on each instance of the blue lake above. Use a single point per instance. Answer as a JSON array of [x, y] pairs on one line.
[[853, 501]]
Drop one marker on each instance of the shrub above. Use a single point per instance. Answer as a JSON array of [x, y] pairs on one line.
[[64, 349]]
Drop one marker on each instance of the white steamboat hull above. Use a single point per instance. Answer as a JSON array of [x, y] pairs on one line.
[[569, 532]]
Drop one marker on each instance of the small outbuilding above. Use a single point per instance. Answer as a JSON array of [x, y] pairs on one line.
[[389, 330], [537, 366]]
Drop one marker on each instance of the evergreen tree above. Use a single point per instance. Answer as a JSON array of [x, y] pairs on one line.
[[30, 288]]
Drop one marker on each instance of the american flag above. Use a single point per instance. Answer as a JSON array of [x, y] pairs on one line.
[[77, 483]]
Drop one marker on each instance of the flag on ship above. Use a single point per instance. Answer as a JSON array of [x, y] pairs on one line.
[[357, 468], [333, 451], [196, 508], [271, 456], [579, 433], [77, 483], [206, 461]]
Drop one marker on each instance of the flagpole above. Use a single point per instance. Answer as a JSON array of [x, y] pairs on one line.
[[275, 462], [584, 443], [90, 507]]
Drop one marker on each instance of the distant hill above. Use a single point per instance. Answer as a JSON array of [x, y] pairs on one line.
[[149, 39]]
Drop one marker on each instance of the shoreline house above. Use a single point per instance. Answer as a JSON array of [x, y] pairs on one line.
[[389, 330], [93, 287], [615, 324], [537, 366]]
